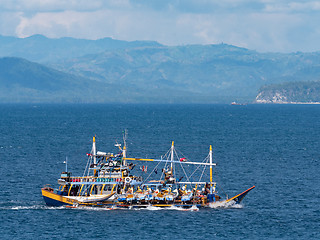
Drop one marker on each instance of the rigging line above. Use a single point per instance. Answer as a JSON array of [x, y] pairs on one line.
[[203, 171], [177, 150], [180, 163], [88, 164], [166, 162], [164, 168], [219, 181], [204, 160], [174, 171], [166, 156], [181, 154], [188, 179], [167, 153], [151, 173]]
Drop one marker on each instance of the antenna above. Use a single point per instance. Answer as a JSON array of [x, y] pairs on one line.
[[125, 135], [66, 162], [124, 152]]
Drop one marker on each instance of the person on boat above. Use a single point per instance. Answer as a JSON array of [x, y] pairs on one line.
[[118, 189], [184, 190], [131, 166], [195, 191], [167, 175], [130, 190], [206, 189], [217, 197], [65, 190], [149, 190], [139, 190]]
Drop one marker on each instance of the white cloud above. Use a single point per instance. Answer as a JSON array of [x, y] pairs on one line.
[[264, 25], [297, 7], [61, 5]]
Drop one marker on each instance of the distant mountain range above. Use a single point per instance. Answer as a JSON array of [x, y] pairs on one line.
[[107, 70], [25, 81], [294, 92], [41, 49]]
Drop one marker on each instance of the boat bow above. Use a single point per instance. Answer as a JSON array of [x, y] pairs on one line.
[[238, 198]]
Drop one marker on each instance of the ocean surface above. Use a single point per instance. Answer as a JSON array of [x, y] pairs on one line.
[[274, 147]]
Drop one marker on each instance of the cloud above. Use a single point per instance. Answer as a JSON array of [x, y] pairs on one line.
[[294, 7], [60, 5], [263, 25]]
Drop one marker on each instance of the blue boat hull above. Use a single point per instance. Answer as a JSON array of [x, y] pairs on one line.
[[53, 203]]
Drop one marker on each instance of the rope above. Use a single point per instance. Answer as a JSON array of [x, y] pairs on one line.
[[188, 179], [88, 165], [203, 168], [218, 178], [206, 159], [151, 173]]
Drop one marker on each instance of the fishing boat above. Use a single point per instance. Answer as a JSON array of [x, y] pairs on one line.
[[101, 181], [112, 181]]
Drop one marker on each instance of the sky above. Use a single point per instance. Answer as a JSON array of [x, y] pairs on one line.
[[261, 25]]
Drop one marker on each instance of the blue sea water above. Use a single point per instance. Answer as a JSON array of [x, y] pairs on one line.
[[274, 147]]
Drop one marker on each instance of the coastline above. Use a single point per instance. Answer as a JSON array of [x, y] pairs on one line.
[[284, 102]]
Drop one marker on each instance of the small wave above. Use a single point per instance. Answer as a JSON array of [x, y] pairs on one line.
[[237, 206], [214, 205], [153, 208], [224, 204], [43, 207], [174, 208], [193, 208], [93, 208], [32, 207]]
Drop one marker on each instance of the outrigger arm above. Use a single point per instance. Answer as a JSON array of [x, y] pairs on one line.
[[162, 160]]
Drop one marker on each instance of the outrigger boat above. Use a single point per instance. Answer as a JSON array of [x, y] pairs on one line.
[[109, 181]]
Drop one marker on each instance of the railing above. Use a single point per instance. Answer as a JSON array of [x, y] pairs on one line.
[[94, 179]]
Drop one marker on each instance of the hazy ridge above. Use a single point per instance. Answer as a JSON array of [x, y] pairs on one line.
[[109, 70]]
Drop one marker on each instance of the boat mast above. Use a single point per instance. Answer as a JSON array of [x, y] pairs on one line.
[[172, 156], [94, 152], [210, 157], [124, 151]]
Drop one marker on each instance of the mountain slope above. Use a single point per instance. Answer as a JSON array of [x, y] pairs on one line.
[[213, 73], [41, 49], [123, 71], [25, 81]]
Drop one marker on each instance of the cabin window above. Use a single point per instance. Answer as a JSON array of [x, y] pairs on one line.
[[74, 190], [107, 188]]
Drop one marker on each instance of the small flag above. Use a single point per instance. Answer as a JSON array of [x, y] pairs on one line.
[[144, 168]]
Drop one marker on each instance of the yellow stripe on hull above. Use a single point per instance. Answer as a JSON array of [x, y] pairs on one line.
[[66, 200], [57, 197]]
